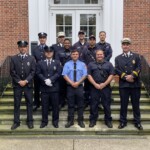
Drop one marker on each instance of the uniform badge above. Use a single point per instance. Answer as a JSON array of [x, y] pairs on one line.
[[54, 67], [133, 61], [28, 63]]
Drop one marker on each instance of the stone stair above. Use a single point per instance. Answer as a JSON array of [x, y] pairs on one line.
[[6, 119]]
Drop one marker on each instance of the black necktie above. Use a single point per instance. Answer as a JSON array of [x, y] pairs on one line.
[[49, 62], [22, 57], [75, 73]]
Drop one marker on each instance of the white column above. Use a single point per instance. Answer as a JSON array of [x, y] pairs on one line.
[[38, 18], [113, 24]]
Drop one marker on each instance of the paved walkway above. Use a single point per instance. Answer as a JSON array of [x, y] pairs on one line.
[[76, 143]]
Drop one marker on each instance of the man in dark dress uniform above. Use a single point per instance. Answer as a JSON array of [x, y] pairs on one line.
[[128, 67], [49, 72], [38, 54], [81, 44], [63, 56], [106, 47], [100, 74], [60, 43], [22, 70], [75, 72]]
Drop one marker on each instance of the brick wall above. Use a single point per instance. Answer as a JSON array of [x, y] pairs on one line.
[[13, 25], [137, 25]]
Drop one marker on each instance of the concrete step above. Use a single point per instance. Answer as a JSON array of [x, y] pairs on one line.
[[99, 129], [8, 119], [113, 107]]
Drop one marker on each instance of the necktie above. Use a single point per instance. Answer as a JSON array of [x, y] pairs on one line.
[[22, 57], [75, 73], [49, 62]]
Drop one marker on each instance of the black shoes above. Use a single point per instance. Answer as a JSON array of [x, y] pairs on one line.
[[122, 125], [35, 108], [109, 124], [81, 124], [92, 124], [138, 126], [15, 126], [55, 124], [69, 124], [43, 125], [30, 125]]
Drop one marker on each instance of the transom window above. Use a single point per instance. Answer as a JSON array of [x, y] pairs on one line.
[[75, 1]]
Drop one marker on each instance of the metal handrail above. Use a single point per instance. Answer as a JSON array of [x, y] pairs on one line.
[[145, 74], [4, 74]]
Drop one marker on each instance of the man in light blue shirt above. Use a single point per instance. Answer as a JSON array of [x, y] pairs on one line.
[[74, 73]]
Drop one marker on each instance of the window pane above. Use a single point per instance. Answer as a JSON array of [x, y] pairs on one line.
[[68, 31], [75, 1], [59, 19], [87, 1], [68, 20], [92, 30], [83, 19], [92, 19]]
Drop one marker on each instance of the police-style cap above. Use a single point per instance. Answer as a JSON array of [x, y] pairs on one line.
[[92, 37], [61, 34], [48, 49], [126, 40], [42, 34], [22, 43], [81, 32]]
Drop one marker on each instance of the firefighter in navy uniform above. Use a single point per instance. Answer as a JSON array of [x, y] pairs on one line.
[[59, 46], [100, 74], [81, 44], [63, 56], [106, 47], [49, 72], [88, 55], [22, 70], [38, 54], [128, 67]]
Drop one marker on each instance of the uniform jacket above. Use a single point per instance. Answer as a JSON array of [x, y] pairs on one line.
[[106, 47], [38, 53], [53, 73], [22, 69], [128, 66], [88, 55], [63, 56], [78, 46], [57, 48]]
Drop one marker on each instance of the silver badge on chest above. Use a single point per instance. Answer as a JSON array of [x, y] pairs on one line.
[[28, 63]]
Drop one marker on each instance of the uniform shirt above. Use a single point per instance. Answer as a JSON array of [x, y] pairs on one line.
[[106, 47], [88, 54], [100, 71], [80, 46], [130, 65], [81, 70]]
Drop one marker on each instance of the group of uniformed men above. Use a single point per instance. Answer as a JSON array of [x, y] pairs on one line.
[[79, 75]]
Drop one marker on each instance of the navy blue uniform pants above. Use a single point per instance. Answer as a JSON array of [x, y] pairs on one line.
[[36, 91], [53, 98], [28, 94], [75, 96], [134, 94], [103, 96]]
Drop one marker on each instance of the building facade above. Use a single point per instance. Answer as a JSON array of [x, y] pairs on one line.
[[24, 19]]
